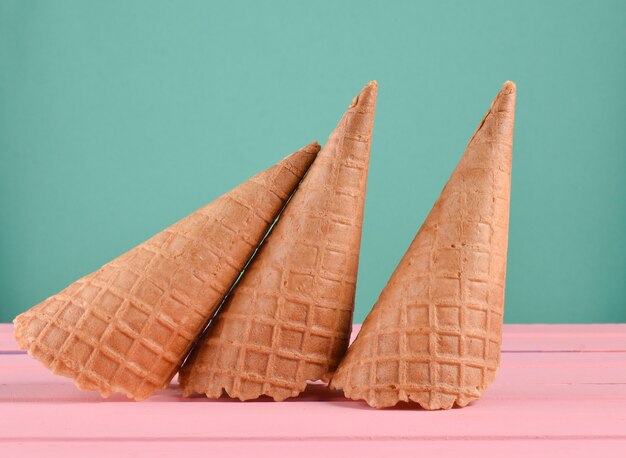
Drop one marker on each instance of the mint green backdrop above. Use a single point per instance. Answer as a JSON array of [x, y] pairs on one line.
[[117, 118]]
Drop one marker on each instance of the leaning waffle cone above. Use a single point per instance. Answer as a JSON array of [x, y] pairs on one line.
[[434, 335], [128, 326], [289, 318]]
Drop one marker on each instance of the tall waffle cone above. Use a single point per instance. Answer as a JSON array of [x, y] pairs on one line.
[[289, 318], [434, 334], [128, 326]]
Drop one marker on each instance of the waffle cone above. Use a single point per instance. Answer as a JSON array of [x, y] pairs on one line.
[[288, 320], [434, 334], [128, 326]]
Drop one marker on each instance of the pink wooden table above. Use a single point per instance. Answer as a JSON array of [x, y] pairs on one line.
[[561, 391]]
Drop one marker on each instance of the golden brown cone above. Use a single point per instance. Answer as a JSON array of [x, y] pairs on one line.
[[289, 318], [128, 326], [434, 334]]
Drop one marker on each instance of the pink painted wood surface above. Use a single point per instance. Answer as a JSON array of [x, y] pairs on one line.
[[561, 390], [517, 337], [349, 448]]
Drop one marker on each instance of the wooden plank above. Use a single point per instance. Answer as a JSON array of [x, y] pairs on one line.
[[539, 337], [564, 337], [573, 448], [65, 392], [576, 408], [559, 337], [7, 341], [61, 390], [561, 390], [489, 419], [516, 368]]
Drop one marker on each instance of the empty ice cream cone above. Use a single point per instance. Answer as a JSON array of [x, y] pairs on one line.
[[128, 326], [288, 319], [434, 334]]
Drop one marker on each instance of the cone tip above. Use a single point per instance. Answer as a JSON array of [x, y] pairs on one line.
[[371, 87], [313, 147], [309, 150], [368, 93], [508, 87]]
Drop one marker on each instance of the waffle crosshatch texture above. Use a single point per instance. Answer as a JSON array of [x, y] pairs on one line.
[[288, 320], [128, 326], [435, 333]]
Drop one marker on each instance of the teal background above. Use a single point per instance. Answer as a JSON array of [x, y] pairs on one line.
[[118, 118]]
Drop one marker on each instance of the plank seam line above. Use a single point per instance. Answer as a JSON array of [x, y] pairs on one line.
[[319, 438], [565, 351], [22, 352]]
